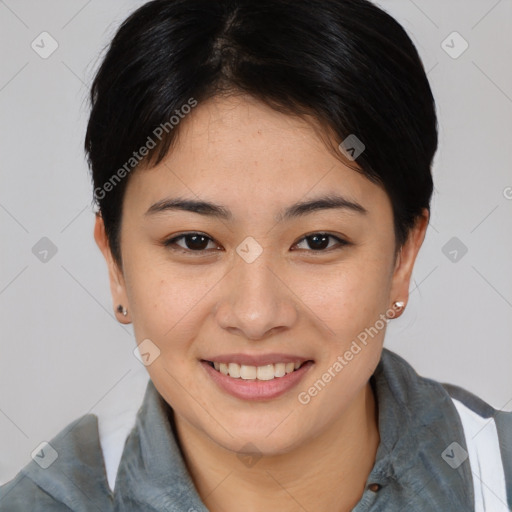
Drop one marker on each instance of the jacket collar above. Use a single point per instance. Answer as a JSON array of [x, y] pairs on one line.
[[417, 423], [77, 477], [152, 475]]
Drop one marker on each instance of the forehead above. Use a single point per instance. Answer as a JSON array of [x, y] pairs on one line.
[[241, 150]]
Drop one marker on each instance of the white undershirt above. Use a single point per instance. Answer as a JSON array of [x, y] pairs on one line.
[[485, 460]]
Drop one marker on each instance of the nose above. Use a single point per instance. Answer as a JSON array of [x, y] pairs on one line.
[[256, 301]]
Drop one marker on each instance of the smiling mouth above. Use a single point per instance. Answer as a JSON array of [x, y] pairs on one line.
[[265, 372]]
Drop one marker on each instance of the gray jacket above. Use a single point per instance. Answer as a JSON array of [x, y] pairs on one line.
[[441, 449]]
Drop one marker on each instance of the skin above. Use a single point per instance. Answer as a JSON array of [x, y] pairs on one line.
[[292, 299]]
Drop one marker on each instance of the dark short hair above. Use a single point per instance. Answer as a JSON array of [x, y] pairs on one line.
[[347, 63]]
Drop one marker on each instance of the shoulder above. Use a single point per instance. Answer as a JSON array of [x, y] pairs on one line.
[[68, 473], [488, 434], [474, 429], [22, 494], [411, 385], [475, 411]]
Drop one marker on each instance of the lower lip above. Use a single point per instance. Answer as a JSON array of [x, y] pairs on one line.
[[257, 389]]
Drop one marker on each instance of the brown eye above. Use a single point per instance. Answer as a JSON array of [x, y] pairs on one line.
[[192, 242], [320, 241]]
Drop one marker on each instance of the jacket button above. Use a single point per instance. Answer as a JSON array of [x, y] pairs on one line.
[[374, 487]]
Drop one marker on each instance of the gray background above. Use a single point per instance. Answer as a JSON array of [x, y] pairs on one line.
[[62, 353]]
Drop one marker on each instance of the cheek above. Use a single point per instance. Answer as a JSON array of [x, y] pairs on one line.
[[168, 301], [345, 298]]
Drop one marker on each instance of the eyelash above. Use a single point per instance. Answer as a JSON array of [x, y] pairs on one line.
[[172, 242]]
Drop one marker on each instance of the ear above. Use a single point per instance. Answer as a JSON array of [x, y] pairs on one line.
[[117, 284], [405, 261]]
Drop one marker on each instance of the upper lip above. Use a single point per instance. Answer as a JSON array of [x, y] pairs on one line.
[[257, 359]]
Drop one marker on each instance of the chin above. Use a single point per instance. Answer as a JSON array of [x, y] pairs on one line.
[[269, 436]]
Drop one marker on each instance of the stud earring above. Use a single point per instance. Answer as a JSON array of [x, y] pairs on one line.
[[121, 309], [399, 304], [397, 307]]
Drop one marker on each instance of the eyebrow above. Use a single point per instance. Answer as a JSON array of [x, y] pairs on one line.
[[326, 202]]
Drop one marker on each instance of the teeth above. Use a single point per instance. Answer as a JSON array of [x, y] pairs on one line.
[[280, 370], [266, 372], [246, 372], [235, 370]]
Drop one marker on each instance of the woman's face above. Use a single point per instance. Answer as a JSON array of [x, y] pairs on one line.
[[311, 285]]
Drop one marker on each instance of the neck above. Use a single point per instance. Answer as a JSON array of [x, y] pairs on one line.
[[331, 468]]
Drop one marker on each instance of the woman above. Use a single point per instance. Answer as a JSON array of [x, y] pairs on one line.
[[263, 176]]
